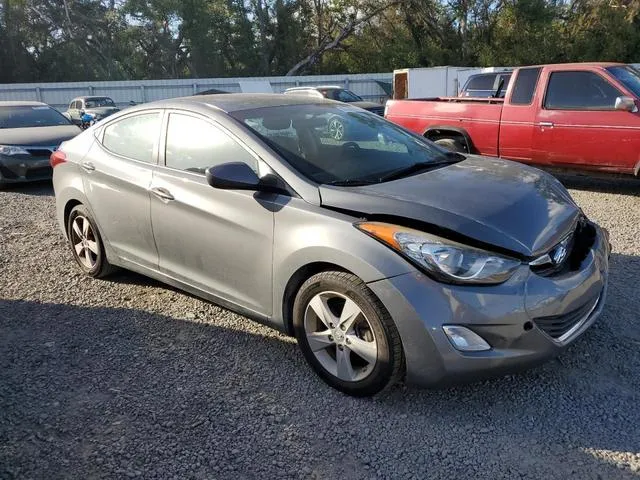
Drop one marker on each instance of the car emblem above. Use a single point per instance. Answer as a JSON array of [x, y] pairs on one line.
[[560, 252]]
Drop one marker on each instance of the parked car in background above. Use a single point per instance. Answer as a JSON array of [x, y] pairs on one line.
[[486, 85], [338, 129], [29, 133], [581, 116], [386, 259], [93, 109]]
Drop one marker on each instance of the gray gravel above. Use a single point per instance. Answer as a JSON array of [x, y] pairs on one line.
[[126, 378]]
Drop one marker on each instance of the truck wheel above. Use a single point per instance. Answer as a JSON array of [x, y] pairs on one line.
[[451, 144]]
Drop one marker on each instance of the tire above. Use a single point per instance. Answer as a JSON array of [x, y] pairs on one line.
[[358, 354], [337, 129], [86, 243], [451, 144]]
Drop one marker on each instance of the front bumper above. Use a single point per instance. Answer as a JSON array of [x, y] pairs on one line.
[[504, 315], [24, 168]]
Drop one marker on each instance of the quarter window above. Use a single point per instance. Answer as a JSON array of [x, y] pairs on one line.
[[194, 145], [133, 137], [580, 91], [525, 86]]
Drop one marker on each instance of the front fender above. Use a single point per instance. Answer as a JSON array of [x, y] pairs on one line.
[[306, 235]]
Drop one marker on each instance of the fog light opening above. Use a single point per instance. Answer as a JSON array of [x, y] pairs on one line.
[[528, 326], [464, 339]]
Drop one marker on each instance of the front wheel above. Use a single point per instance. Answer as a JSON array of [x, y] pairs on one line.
[[346, 334]]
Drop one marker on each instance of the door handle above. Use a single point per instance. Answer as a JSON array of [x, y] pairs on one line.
[[88, 166], [546, 124], [162, 193]]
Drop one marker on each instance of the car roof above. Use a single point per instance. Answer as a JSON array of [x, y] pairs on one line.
[[22, 103], [234, 102], [91, 97]]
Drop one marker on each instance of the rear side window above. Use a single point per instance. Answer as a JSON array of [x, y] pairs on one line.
[[194, 145], [525, 86], [580, 91], [481, 82], [133, 137]]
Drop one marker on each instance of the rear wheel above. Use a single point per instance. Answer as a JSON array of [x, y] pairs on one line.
[[347, 335], [452, 144], [86, 244]]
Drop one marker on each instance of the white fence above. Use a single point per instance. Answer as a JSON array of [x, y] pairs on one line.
[[368, 86], [437, 81]]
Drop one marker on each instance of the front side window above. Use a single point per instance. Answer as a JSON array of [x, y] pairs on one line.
[[580, 91], [525, 86], [134, 137], [194, 145], [342, 145], [628, 76], [31, 116]]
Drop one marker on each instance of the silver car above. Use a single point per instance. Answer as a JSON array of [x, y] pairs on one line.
[[386, 257]]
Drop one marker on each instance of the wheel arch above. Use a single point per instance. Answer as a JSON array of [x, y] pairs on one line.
[[296, 280], [447, 131]]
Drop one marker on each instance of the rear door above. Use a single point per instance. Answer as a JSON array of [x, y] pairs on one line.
[[118, 171], [579, 126], [74, 111], [219, 241]]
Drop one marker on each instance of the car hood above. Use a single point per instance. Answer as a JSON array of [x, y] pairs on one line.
[[102, 111], [38, 136], [495, 202]]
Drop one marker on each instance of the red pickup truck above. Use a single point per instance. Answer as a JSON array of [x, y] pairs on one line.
[[579, 116]]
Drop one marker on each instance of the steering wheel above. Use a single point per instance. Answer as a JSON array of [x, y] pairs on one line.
[[350, 146]]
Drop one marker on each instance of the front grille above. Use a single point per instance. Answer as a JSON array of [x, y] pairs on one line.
[[581, 242], [558, 325], [377, 110], [44, 152], [37, 173]]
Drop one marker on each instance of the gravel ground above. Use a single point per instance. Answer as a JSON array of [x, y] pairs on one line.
[[126, 378]]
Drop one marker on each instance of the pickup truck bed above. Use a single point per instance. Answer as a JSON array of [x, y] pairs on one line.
[[576, 116]]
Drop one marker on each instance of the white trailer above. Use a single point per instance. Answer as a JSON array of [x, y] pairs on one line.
[[434, 82]]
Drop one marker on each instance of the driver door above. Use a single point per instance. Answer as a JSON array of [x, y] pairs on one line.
[[218, 241], [578, 125]]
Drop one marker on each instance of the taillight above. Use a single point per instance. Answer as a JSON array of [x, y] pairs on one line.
[[57, 158]]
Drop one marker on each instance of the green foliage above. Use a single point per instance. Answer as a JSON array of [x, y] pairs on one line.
[[72, 40]]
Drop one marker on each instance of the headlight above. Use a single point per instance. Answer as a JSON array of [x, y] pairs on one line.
[[443, 259], [12, 150]]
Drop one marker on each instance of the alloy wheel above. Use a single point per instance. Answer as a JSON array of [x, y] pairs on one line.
[[84, 242], [336, 129], [340, 336]]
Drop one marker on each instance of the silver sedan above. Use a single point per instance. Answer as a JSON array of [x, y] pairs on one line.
[[386, 256]]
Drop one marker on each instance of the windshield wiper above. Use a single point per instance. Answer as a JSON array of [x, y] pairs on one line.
[[415, 168], [349, 183]]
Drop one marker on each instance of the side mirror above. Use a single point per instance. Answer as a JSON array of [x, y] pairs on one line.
[[626, 104], [233, 176]]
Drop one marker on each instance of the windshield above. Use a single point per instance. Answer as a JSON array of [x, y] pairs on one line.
[[341, 95], [99, 102], [628, 76], [31, 116], [341, 144]]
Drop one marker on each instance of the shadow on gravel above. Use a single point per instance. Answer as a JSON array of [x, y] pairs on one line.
[[43, 188], [614, 185], [109, 392]]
